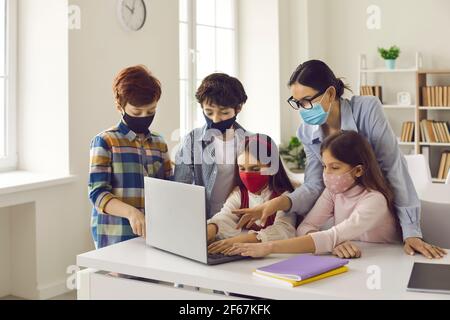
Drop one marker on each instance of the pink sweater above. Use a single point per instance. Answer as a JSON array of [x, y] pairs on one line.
[[358, 215]]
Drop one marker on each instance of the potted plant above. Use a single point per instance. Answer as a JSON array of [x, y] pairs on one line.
[[390, 56], [294, 155]]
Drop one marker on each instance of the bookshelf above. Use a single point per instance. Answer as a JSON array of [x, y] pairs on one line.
[[438, 111], [415, 78]]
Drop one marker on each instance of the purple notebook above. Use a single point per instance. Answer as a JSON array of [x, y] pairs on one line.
[[302, 267]]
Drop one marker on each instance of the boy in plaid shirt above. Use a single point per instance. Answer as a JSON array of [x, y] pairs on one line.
[[122, 156]]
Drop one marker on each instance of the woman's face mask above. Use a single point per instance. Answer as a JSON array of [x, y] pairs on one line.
[[317, 114]]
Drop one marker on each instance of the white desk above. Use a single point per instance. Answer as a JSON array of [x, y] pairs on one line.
[[136, 259]]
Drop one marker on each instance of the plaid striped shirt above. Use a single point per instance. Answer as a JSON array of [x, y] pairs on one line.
[[119, 160]]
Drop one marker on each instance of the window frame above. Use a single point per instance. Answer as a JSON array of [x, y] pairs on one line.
[[188, 117], [9, 163]]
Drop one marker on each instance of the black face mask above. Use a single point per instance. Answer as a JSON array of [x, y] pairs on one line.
[[138, 125], [222, 126]]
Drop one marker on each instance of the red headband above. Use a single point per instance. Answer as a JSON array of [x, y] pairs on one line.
[[260, 140]]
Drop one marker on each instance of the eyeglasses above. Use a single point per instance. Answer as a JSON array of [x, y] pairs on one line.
[[303, 103]]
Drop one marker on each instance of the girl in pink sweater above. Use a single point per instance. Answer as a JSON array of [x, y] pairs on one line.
[[357, 196]]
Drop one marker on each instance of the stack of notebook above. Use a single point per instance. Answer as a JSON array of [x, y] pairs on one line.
[[302, 269]]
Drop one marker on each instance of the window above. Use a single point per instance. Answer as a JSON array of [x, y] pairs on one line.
[[7, 85], [207, 45]]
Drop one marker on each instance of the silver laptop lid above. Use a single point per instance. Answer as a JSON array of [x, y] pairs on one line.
[[175, 218]]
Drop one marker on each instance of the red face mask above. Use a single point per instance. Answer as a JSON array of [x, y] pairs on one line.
[[254, 181]]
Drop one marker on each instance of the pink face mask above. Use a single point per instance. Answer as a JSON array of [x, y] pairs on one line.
[[338, 183]]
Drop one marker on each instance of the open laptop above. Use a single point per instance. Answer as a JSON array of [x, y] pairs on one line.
[[175, 218]]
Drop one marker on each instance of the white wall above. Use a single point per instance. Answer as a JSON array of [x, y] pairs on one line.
[[317, 27], [100, 50], [97, 52], [275, 37], [414, 25], [18, 247], [80, 65], [5, 250], [259, 62], [43, 86], [37, 224], [336, 32], [295, 48]]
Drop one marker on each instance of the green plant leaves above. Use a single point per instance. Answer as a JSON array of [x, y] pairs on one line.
[[294, 153], [389, 54]]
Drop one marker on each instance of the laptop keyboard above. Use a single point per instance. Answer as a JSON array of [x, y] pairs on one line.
[[219, 258], [216, 256]]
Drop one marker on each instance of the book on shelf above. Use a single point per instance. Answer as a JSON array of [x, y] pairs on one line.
[[448, 96], [442, 126], [407, 134], [410, 135], [375, 91], [444, 165], [436, 96], [426, 153], [434, 131], [425, 96], [423, 137], [403, 134], [437, 132], [433, 96], [447, 167], [446, 102], [447, 131]]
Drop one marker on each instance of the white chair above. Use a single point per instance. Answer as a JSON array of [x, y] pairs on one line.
[[435, 223], [419, 170], [448, 178], [437, 193]]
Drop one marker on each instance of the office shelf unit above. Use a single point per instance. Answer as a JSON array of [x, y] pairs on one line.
[[416, 111]]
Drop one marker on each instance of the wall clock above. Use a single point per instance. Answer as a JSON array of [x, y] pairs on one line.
[[132, 14]]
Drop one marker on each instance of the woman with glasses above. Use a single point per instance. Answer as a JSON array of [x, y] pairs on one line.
[[318, 97]]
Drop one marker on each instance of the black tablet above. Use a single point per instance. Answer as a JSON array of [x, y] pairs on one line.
[[429, 277]]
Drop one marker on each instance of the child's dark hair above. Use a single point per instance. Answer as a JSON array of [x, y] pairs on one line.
[[353, 149], [222, 90], [263, 148], [317, 74]]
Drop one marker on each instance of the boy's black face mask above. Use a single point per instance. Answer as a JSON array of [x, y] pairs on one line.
[[222, 126], [138, 125]]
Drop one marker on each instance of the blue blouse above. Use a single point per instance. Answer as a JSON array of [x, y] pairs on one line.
[[364, 115]]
